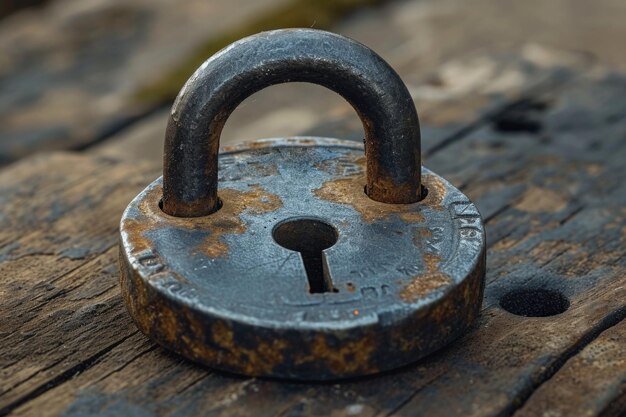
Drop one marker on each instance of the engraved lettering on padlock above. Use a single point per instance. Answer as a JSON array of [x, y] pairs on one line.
[[172, 285], [369, 292], [469, 224], [430, 238], [370, 270], [464, 209], [150, 260], [323, 299], [468, 220], [409, 270]]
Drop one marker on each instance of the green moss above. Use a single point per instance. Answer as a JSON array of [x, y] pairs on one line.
[[321, 14]]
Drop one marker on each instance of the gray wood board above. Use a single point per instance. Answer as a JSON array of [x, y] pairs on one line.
[[70, 71], [547, 173]]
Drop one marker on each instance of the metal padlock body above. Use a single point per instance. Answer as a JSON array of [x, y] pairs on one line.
[[404, 279]]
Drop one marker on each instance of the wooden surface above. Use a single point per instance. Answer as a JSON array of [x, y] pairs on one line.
[[535, 136], [546, 171], [72, 72]]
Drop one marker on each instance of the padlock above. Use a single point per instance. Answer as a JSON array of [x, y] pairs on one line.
[[316, 258]]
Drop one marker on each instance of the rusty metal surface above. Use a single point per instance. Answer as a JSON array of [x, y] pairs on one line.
[[219, 290], [366, 81]]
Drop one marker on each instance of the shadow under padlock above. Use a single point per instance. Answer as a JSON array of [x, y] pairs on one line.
[[317, 261]]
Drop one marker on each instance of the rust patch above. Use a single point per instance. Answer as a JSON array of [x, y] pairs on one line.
[[228, 219], [168, 324], [346, 358], [262, 359], [215, 344], [219, 347], [136, 231], [246, 145], [259, 145], [225, 221], [350, 190], [421, 233], [344, 166], [436, 192], [383, 189], [412, 217], [427, 282], [135, 296]]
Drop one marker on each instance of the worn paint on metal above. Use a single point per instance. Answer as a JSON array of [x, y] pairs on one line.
[[348, 188], [423, 284]]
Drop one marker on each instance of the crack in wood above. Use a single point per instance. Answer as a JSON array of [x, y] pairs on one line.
[[62, 378], [609, 321]]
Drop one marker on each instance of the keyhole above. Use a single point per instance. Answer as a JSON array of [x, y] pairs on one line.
[[309, 237]]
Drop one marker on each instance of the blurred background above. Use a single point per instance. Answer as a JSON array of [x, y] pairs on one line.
[[101, 74]]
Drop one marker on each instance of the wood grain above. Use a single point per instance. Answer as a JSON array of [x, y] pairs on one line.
[[546, 170], [70, 71], [593, 382]]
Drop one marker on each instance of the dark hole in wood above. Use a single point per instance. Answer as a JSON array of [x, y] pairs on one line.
[[309, 237], [524, 116], [534, 302], [517, 123]]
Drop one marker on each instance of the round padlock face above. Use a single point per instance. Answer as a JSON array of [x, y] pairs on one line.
[[300, 274]]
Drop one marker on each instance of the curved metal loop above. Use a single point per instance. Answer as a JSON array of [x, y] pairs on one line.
[[364, 79]]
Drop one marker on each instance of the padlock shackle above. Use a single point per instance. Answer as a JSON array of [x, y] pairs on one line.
[[358, 74]]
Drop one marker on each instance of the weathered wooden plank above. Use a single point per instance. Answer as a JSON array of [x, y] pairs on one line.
[[552, 195], [73, 73], [58, 252], [69, 71], [551, 198], [591, 383]]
